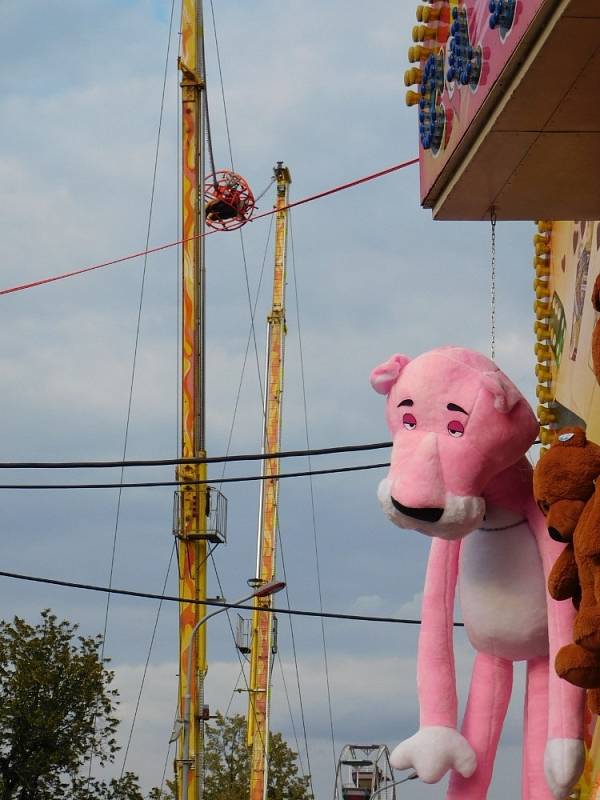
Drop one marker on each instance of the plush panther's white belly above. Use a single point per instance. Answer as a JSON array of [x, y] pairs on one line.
[[502, 589]]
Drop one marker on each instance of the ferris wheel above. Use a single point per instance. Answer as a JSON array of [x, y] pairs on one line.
[[364, 772]]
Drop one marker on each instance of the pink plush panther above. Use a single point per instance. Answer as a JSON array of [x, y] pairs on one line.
[[459, 474]]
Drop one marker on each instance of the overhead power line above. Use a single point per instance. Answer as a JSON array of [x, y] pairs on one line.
[[217, 603], [169, 462], [148, 484], [132, 256]]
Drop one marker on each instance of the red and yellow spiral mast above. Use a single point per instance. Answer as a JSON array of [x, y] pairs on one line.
[[192, 498], [263, 641]]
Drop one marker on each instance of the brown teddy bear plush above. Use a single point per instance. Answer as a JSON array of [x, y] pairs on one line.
[[564, 488], [596, 331]]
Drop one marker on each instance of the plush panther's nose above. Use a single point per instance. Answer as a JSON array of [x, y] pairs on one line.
[[423, 514]]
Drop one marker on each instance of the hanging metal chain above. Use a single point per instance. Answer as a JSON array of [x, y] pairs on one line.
[[207, 121], [209, 141], [493, 287]]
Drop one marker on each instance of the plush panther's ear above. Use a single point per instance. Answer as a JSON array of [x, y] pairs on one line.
[[505, 393], [385, 375]]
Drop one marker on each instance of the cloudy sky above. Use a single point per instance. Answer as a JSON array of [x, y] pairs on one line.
[[318, 85]]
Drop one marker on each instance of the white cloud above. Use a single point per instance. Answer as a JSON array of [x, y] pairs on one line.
[[412, 608], [367, 603]]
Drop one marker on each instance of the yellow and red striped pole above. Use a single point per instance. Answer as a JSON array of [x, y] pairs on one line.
[[193, 498], [262, 623]]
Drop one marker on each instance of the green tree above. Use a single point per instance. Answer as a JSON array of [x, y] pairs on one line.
[[168, 793], [57, 705], [227, 761], [125, 788]]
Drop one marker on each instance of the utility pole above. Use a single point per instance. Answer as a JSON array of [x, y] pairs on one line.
[[262, 641], [192, 500]]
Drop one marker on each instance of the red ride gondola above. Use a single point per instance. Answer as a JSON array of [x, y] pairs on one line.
[[229, 201]]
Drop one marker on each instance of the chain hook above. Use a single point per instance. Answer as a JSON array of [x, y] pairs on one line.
[[493, 286]]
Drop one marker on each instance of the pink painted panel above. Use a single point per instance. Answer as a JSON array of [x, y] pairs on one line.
[[462, 102]]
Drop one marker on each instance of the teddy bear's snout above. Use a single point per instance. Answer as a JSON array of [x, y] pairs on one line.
[[562, 519]]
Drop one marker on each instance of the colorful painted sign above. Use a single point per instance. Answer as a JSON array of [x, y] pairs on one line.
[[464, 47]]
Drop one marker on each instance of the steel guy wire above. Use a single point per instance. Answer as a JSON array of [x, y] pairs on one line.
[[265, 190], [312, 497], [252, 325], [218, 54], [134, 358], [245, 359], [289, 705], [233, 691], [166, 762], [294, 652], [147, 662], [242, 245], [239, 656]]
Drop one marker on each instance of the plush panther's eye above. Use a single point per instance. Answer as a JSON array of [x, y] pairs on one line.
[[456, 428], [409, 422]]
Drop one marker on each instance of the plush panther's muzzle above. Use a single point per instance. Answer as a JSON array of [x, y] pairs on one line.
[[423, 514]]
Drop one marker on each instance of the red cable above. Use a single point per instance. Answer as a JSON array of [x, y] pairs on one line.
[[342, 186], [309, 199], [98, 266]]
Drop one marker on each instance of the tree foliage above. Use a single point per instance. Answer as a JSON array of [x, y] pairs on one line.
[[57, 706], [227, 760]]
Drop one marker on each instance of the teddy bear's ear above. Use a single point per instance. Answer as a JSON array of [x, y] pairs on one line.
[[596, 294], [570, 437]]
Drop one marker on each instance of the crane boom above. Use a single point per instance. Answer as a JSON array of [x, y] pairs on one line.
[[262, 623]]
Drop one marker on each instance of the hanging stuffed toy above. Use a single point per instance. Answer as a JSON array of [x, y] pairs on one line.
[[565, 488], [459, 474]]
